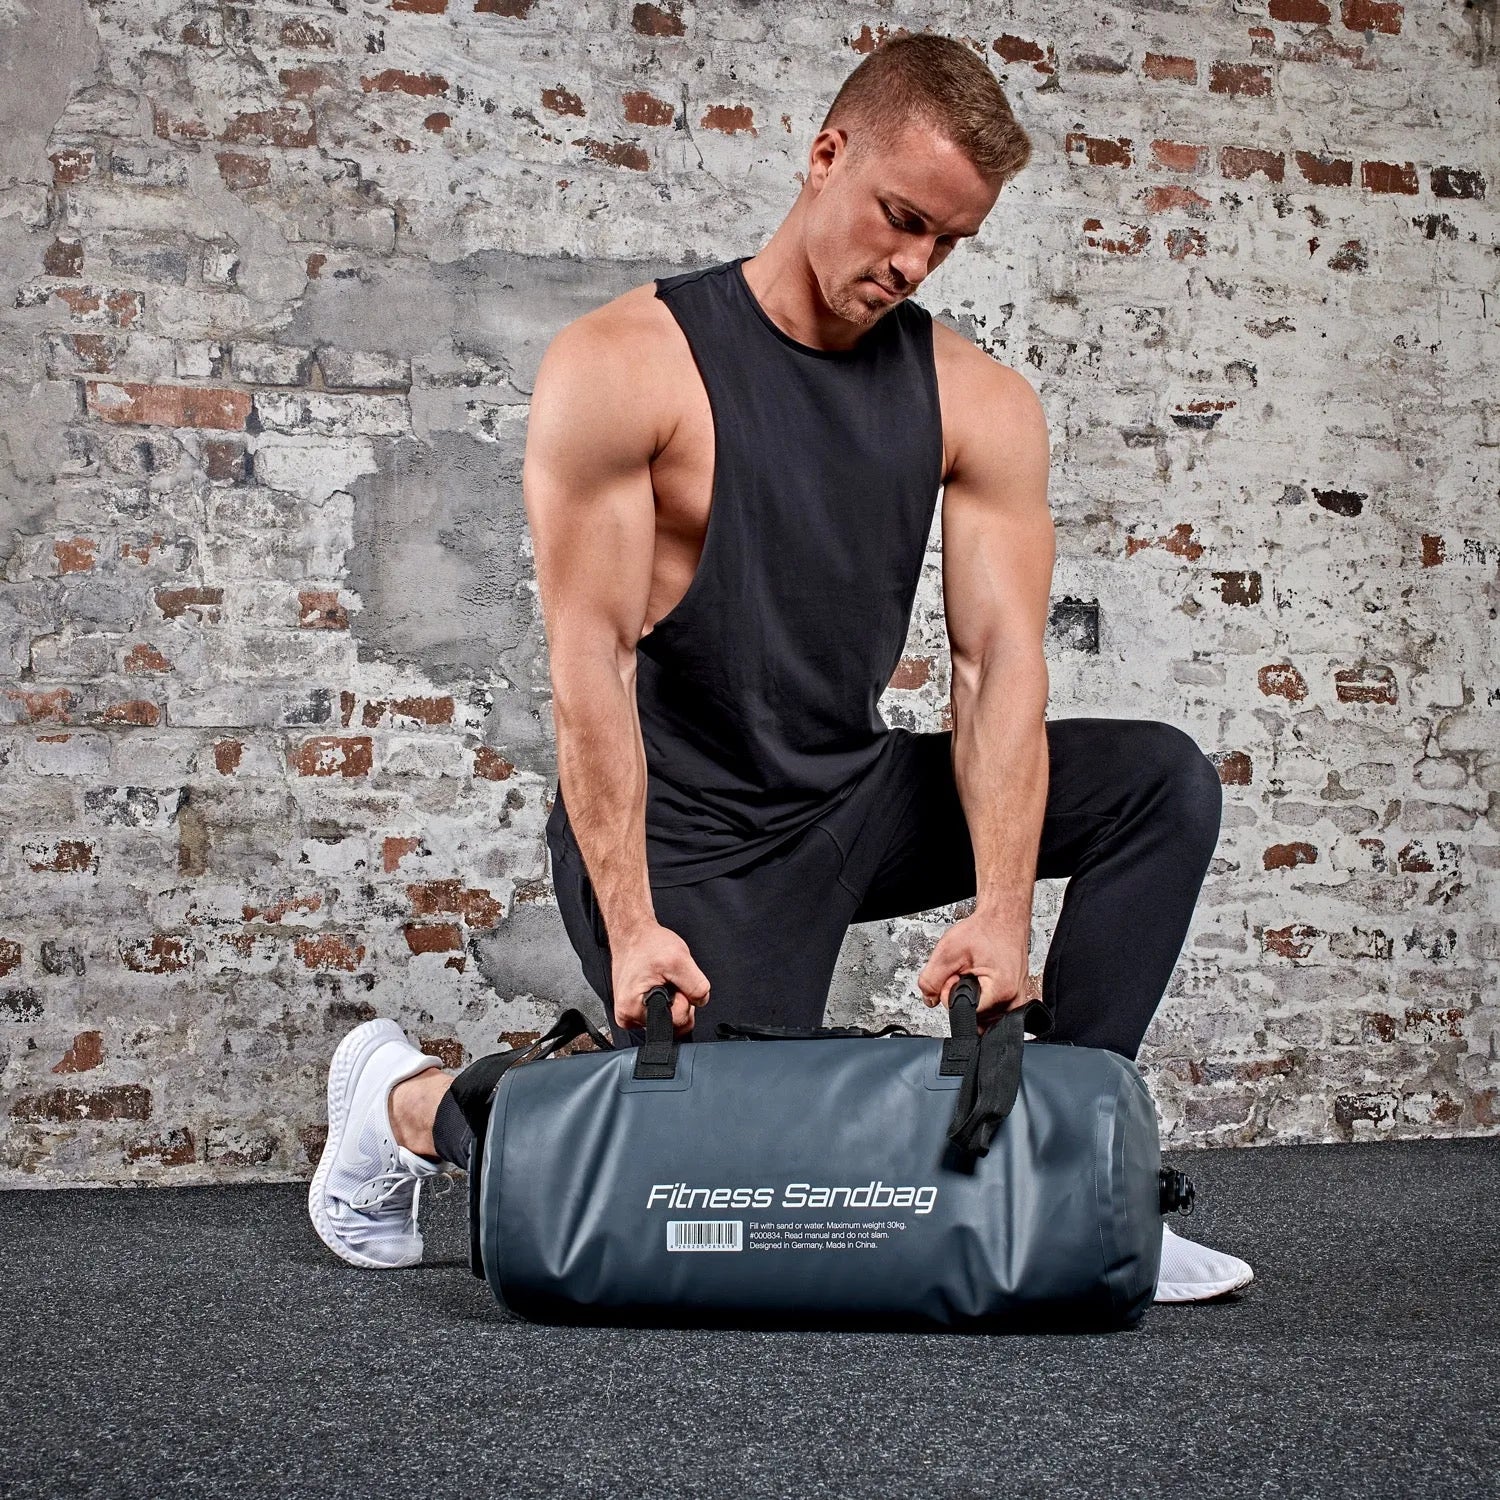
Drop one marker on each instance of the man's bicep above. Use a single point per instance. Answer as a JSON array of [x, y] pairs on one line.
[[998, 540], [586, 482]]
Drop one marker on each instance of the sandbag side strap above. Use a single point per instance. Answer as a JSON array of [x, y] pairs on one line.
[[735, 1030], [474, 1088], [990, 1064]]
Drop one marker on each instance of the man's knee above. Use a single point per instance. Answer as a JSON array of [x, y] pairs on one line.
[[1188, 777]]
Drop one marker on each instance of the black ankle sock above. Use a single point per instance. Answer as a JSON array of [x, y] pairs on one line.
[[451, 1134]]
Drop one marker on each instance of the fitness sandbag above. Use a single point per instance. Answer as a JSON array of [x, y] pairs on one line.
[[829, 1174]]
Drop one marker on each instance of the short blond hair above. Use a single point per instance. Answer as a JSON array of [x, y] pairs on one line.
[[924, 78]]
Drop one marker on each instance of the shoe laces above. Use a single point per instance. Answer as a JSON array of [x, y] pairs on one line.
[[371, 1195]]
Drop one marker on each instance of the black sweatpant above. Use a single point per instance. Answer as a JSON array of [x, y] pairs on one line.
[[1132, 818]]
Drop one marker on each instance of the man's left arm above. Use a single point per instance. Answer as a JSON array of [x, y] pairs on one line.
[[998, 552]]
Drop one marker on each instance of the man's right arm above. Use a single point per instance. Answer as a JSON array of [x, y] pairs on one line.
[[591, 435]]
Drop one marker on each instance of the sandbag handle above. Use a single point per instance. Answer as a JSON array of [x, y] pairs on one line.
[[656, 1057], [990, 1065]]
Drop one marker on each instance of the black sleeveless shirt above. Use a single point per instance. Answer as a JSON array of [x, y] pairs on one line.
[[757, 694]]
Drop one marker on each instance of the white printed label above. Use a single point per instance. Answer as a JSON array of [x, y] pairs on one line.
[[705, 1234]]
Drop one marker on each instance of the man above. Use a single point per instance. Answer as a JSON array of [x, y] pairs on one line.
[[730, 478]]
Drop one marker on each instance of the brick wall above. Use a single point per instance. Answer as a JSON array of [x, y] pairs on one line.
[[274, 727]]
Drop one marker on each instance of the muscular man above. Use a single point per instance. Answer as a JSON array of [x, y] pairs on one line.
[[730, 476]]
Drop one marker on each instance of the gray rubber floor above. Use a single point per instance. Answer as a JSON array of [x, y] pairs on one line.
[[202, 1342]]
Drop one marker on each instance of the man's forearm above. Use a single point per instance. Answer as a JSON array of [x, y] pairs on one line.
[[602, 763], [1000, 766]]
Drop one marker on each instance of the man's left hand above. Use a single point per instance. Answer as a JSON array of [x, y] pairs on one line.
[[996, 957]]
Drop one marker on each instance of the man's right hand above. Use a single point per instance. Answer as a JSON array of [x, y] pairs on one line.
[[647, 957]]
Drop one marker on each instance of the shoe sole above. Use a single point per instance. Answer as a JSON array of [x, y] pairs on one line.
[[1198, 1291], [349, 1057]]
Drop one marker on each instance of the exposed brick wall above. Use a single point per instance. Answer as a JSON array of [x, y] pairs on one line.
[[274, 726]]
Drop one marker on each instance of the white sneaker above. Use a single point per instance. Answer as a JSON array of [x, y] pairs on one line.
[[363, 1196], [1191, 1272]]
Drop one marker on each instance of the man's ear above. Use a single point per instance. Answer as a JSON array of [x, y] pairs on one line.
[[829, 147]]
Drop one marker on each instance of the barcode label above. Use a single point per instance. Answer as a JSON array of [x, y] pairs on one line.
[[705, 1234]]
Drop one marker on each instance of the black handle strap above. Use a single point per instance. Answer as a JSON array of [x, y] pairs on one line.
[[474, 1088], [735, 1030], [656, 1057], [990, 1064]]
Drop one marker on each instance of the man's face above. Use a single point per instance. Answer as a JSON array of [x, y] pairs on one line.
[[888, 220]]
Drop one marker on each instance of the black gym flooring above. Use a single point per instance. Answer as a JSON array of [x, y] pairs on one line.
[[202, 1342]]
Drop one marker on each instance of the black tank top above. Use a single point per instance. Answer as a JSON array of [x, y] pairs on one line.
[[757, 694]]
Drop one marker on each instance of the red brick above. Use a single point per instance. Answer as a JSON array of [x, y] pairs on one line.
[[63, 258], [394, 850], [1177, 156], [158, 954], [433, 937], [1171, 198], [1324, 171], [1432, 550], [449, 1050], [10, 956], [203, 602], [1166, 65], [121, 1101], [1240, 162], [562, 102], [328, 950], [320, 610], [227, 755], [642, 108], [1183, 241], [74, 555], [1365, 685], [1179, 540], [1247, 79], [491, 765], [1306, 12], [395, 81], [1457, 182], [1233, 765], [1289, 856], [1295, 941], [1098, 151], [1373, 15], [146, 658], [86, 1052], [729, 117], [71, 165], [329, 755], [1282, 680], [1388, 176], [437, 122], [172, 1148], [1238, 587], [912, 672], [616, 153], [50, 706], [140, 711], [1096, 239], [278, 911], [1017, 49], [241, 172], [168, 405], [64, 856], [285, 125], [656, 20], [224, 460]]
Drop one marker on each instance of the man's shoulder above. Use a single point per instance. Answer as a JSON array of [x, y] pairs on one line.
[[975, 388], [633, 332]]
